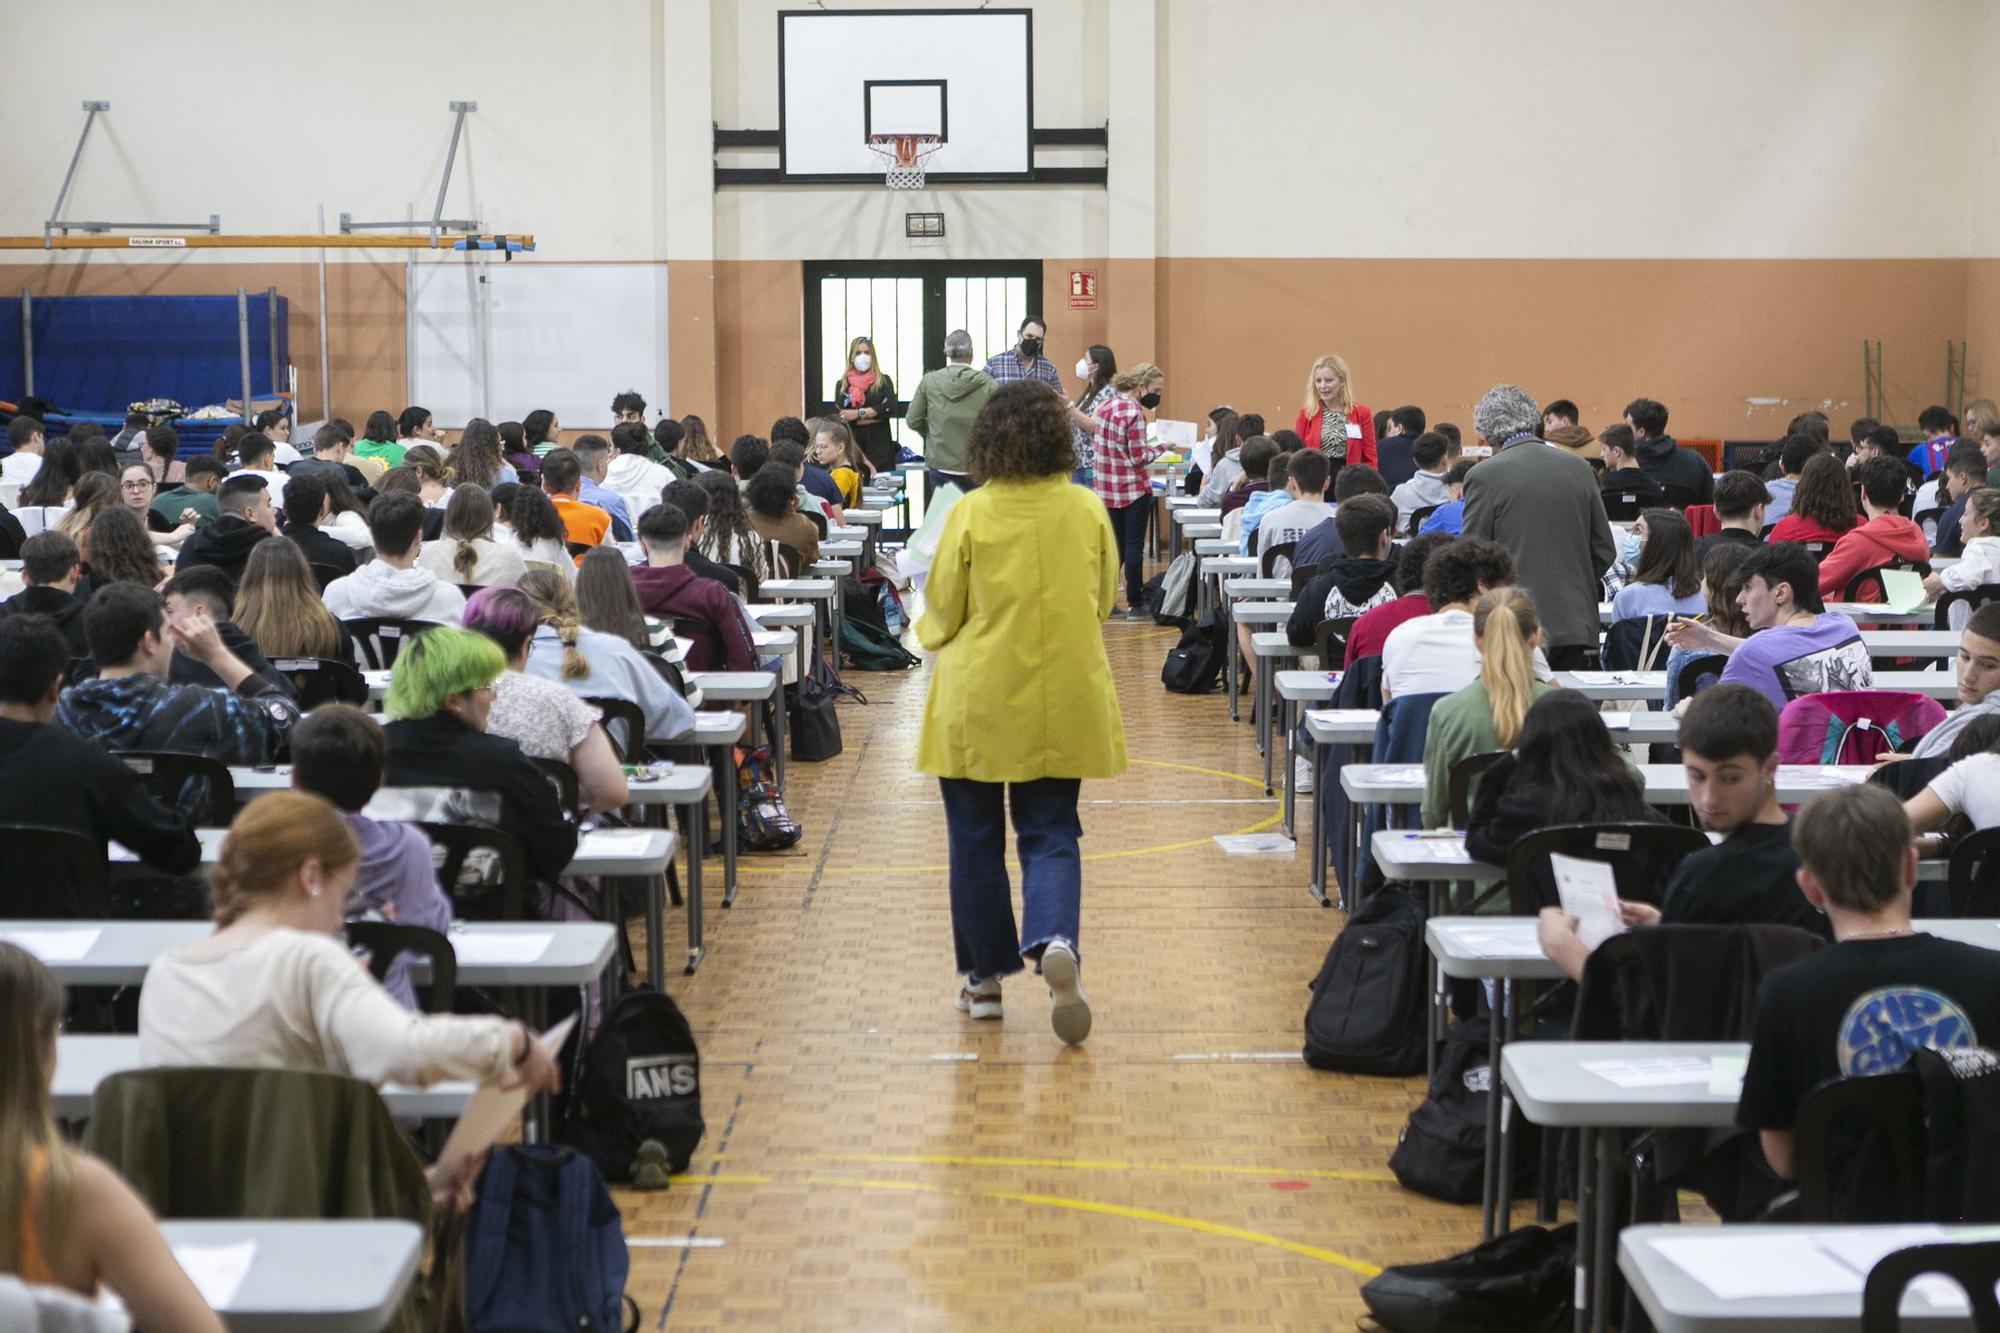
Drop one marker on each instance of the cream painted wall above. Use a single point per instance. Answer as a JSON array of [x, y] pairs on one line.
[[343, 106], [1569, 128]]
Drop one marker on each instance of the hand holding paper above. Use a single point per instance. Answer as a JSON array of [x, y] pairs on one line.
[[1589, 893]]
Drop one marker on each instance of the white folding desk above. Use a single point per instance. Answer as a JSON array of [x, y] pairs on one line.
[[1211, 571], [1295, 688], [1919, 643], [1551, 1084], [753, 688], [85, 1061], [1861, 613], [1666, 784], [599, 852], [1678, 1302], [312, 1277], [1603, 686], [1253, 589]]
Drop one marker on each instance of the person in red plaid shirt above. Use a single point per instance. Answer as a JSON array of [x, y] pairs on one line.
[[1120, 478]]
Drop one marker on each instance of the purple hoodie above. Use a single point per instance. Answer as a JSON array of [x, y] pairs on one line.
[[396, 879]]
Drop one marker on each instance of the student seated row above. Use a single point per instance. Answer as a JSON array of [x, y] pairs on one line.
[[1796, 646]]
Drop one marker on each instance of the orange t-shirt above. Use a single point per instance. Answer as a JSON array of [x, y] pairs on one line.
[[582, 523]]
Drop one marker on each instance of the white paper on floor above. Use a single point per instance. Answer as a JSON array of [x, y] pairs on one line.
[[1255, 844]]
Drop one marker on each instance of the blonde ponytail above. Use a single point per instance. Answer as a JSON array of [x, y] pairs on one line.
[[464, 560], [1504, 622], [555, 603]]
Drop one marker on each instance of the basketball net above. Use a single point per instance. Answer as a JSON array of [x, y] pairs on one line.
[[904, 156]]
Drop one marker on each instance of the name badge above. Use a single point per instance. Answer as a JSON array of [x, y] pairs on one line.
[[1353, 431]]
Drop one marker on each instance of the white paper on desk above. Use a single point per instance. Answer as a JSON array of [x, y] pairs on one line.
[[612, 842], [1605, 677], [1861, 1248], [1496, 941], [1653, 1071], [493, 948], [491, 1110], [1340, 717], [54, 946], [1739, 1267], [217, 1270], [1726, 1078], [1255, 844], [1589, 893], [1399, 777], [1814, 776], [1179, 435]]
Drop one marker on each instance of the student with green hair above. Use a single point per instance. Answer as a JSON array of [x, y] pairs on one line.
[[439, 697]]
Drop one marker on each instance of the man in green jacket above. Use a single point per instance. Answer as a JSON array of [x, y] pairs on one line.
[[942, 409]]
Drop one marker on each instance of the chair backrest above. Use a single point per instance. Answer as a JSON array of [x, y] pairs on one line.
[[1641, 857], [1634, 638], [1974, 1265], [1418, 516], [563, 778], [1927, 519], [322, 680], [1852, 726], [1974, 874], [1330, 641], [481, 869], [1302, 575], [325, 574], [194, 784], [1866, 587], [578, 549], [52, 873], [1945, 612], [668, 671], [380, 638], [749, 577], [386, 941], [1861, 1150], [624, 724], [1268, 558], [789, 561], [1690, 680], [817, 519], [1818, 550], [1464, 776], [1683, 982]]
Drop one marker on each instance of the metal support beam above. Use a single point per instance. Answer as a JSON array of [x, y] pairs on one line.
[[243, 346], [28, 342], [462, 109], [90, 110], [271, 315], [56, 222], [325, 362]]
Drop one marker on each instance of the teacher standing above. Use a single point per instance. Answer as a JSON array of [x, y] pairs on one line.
[[1021, 706], [865, 397], [1332, 422]]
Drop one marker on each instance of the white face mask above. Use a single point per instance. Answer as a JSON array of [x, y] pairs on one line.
[[1084, 369], [862, 361]]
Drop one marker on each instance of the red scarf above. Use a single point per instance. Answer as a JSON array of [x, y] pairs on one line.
[[858, 386]]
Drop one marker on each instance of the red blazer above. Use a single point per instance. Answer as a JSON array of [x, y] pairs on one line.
[[1358, 451]]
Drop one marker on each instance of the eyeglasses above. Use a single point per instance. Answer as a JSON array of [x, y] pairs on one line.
[[135, 485]]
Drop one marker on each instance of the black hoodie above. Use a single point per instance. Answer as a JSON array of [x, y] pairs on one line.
[[1670, 465], [1349, 586], [65, 608], [225, 544]]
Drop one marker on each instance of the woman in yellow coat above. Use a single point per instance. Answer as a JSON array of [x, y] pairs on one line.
[[1021, 707]]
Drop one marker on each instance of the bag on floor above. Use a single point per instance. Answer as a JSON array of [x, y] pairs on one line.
[[859, 600], [1442, 1150], [1521, 1281], [1194, 665], [869, 648], [763, 823], [638, 1078], [544, 1247], [1369, 1008], [810, 715], [1174, 604]]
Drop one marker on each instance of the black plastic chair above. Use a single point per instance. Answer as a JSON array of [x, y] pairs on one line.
[[387, 941], [789, 561], [502, 890], [817, 519], [1859, 583], [1928, 521], [625, 725], [1818, 550], [381, 638], [325, 574], [1626, 506], [1679, 497], [1973, 879], [578, 548], [1463, 778], [1330, 641], [1974, 1265], [194, 784], [1860, 1153], [1268, 558], [1688, 683], [1301, 576], [563, 778], [52, 873], [749, 577], [1971, 598], [322, 680], [1634, 638], [1641, 856], [1417, 517]]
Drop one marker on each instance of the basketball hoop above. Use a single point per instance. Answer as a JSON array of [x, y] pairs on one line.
[[904, 156]]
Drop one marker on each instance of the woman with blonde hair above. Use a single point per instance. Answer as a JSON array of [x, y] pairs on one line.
[[596, 665], [95, 492], [1118, 471], [278, 605], [834, 449], [66, 1218], [865, 398], [468, 553], [1332, 422], [433, 477], [1486, 715], [697, 445]]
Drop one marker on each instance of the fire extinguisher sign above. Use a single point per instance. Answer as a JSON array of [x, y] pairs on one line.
[[1083, 289]]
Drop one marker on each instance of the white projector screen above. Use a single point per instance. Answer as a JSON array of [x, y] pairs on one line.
[[968, 74]]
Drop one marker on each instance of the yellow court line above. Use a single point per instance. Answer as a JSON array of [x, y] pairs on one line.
[[1090, 1164], [746, 868], [1148, 1215]]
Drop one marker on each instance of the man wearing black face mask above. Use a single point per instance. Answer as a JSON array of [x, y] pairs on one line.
[[1024, 361]]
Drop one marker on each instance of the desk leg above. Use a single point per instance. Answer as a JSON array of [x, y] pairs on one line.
[[656, 926], [778, 735], [1285, 724], [725, 804], [694, 823], [1437, 1019], [1266, 741], [536, 1121], [1490, 1221], [1586, 1217], [1604, 1229], [1229, 654], [1318, 885]]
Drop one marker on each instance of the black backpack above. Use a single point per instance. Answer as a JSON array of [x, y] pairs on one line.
[[869, 647], [1442, 1150], [1368, 1009], [1194, 666], [1520, 1281], [640, 1079]]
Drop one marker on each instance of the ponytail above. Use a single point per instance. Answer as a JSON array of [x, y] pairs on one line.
[[1504, 621], [464, 560]]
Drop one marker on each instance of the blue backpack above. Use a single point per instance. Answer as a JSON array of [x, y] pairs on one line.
[[544, 1248]]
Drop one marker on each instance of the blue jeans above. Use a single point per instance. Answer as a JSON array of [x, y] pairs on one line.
[[1129, 525], [982, 903]]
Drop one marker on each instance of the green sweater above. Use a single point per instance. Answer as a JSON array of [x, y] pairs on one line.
[[1460, 725]]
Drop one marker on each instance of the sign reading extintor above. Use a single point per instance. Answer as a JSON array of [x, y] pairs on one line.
[[1083, 289]]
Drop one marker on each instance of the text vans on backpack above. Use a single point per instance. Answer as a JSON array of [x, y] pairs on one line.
[[639, 1079], [545, 1248]]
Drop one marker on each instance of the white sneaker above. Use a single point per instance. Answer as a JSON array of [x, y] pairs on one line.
[[1302, 775], [982, 1000], [1069, 1011]]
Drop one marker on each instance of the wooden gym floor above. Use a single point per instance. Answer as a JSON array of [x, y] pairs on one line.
[[874, 1159]]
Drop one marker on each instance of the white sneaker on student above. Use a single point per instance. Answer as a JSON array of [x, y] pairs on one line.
[[981, 1000], [1302, 775], [1069, 1011]]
